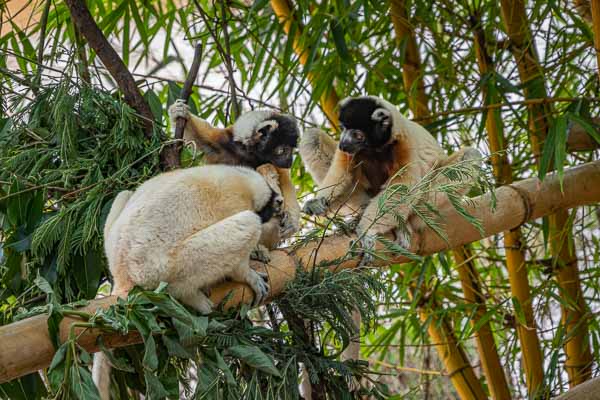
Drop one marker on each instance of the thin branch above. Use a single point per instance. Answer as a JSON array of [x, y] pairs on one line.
[[171, 153], [89, 29], [225, 56]]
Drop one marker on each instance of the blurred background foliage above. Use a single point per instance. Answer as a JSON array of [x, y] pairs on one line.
[[461, 68]]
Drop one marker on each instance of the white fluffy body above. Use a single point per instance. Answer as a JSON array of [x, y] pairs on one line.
[[190, 228]]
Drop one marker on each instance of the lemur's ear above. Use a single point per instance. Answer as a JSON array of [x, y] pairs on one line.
[[265, 128], [382, 115]]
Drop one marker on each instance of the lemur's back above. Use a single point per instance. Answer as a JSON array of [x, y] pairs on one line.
[[169, 208]]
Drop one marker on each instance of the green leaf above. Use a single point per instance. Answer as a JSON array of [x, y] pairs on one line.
[[548, 152], [174, 348], [254, 357], [55, 317], [156, 105], [81, 384], [560, 148], [339, 40], [119, 363], [43, 285], [56, 371], [154, 388], [150, 360]]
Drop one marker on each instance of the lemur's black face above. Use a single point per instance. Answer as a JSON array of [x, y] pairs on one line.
[[276, 145], [365, 125]]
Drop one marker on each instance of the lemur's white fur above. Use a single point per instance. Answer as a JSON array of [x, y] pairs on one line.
[[246, 126], [336, 175], [190, 228], [245, 130]]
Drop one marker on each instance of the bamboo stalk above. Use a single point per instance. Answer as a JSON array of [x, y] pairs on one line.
[[577, 348], [486, 345], [25, 346], [412, 73], [452, 354], [329, 98], [515, 257], [595, 8], [418, 103]]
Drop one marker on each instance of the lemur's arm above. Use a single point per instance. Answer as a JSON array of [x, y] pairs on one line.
[[336, 186], [291, 209], [207, 138]]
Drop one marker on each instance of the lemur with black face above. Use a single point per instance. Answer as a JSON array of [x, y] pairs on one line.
[[376, 143], [256, 138]]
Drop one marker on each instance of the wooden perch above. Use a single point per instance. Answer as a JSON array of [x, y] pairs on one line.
[[25, 346]]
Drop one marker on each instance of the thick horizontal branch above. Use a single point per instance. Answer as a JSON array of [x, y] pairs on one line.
[[26, 347]]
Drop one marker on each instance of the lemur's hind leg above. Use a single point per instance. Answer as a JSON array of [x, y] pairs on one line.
[[219, 251], [317, 149]]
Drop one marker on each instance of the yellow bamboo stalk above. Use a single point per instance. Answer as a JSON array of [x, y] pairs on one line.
[[411, 68], [418, 103], [486, 345], [329, 98], [577, 348], [453, 356], [515, 258], [595, 6]]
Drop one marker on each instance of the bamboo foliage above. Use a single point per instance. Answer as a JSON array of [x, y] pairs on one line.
[[417, 99], [579, 359], [285, 14]]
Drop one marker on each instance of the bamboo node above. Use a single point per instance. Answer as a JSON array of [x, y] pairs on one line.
[[526, 203]]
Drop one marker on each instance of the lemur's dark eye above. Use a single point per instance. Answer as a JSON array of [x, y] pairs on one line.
[[281, 150], [359, 135]]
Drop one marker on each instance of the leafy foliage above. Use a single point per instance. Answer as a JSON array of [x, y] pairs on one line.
[[62, 160], [230, 355]]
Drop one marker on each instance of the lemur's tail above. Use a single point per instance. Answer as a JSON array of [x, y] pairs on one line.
[[115, 210], [101, 375], [101, 368]]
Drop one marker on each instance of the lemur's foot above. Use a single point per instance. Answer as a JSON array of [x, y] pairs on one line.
[[316, 206], [258, 281], [260, 253]]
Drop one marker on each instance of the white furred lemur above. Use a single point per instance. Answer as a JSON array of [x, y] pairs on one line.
[[256, 138], [190, 228], [378, 147]]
